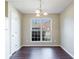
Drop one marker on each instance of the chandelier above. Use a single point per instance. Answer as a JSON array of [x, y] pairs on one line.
[[39, 11]]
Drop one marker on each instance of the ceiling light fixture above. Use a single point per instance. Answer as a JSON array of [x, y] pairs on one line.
[[39, 11], [45, 13], [38, 15]]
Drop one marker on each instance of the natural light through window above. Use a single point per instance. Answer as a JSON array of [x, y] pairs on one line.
[[41, 29]]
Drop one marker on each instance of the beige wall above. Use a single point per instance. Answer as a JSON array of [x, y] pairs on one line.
[[67, 29], [26, 31]]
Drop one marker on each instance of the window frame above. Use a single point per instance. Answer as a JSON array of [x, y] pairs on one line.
[[41, 30]]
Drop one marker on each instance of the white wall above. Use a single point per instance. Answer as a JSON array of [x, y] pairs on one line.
[[7, 31], [15, 25], [13, 30], [26, 31], [67, 29]]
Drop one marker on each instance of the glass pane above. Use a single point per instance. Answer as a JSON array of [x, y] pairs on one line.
[[46, 30], [33, 39], [35, 34], [37, 25]]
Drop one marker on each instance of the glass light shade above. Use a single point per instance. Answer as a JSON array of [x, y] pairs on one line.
[[38, 15], [45, 13], [37, 11]]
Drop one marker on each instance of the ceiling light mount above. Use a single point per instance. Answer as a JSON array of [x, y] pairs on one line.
[[39, 11]]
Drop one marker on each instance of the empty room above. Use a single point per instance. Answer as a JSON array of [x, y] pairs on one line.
[[39, 29]]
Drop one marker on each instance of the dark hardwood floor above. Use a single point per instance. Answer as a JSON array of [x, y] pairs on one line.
[[40, 53]]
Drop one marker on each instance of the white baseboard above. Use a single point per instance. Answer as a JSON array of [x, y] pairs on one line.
[[14, 52], [41, 45], [10, 56], [67, 51]]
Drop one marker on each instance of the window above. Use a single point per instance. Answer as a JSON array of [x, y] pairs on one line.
[[36, 34], [41, 29]]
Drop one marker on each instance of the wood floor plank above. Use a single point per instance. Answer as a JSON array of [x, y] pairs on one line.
[[40, 53]]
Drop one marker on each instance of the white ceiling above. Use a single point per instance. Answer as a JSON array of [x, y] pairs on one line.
[[51, 6]]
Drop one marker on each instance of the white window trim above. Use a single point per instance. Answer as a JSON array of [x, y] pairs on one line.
[[41, 29]]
